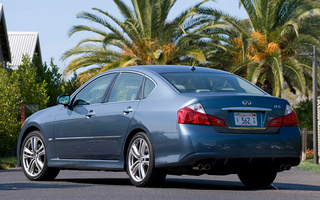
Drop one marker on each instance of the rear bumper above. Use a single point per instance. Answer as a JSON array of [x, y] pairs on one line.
[[230, 163], [229, 153], [237, 159]]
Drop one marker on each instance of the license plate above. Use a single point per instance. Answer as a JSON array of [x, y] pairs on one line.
[[245, 119]]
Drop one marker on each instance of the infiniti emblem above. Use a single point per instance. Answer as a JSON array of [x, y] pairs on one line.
[[246, 102]]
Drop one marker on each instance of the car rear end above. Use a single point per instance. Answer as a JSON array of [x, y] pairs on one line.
[[231, 138], [233, 127]]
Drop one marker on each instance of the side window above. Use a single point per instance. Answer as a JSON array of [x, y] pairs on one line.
[[127, 88], [94, 91], [148, 87]]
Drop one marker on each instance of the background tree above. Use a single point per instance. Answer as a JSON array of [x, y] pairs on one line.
[[145, 36], [31, 91], [72, 84], [55, 85], [267, 43], [304, 113], [9, 112]]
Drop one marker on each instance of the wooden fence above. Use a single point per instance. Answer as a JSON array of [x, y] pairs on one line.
[[305, 134]]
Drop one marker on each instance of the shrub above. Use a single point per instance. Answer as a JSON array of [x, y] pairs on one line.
[[310, 153], [9, 112]]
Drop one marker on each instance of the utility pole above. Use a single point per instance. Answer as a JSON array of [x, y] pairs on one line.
[[315, 101]]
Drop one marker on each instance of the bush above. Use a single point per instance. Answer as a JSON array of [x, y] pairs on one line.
[[310, 153], [304, 113], [9, 112]]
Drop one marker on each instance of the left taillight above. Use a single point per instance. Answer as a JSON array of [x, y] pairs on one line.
[[195, 114], [289, 119]]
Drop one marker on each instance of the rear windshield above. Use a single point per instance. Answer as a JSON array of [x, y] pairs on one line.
[[210, 82]]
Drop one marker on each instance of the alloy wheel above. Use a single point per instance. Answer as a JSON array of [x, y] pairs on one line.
[[33, 156], [139, 159]]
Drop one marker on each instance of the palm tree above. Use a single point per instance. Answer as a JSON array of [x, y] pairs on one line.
[[264, 47], [145, 36]]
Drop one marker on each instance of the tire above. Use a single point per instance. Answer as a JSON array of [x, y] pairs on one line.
[[34, 158], [140, 162], [260, 179]]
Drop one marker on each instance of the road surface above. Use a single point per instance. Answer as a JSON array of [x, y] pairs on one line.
[[78, 185]]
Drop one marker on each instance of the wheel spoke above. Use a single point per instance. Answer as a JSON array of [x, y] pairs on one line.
[[135, 152], [143, 148], [142, 171], [26, 156], [34, 144], [27, 151], [41, 151], [135, 167], [39, 164], [31, 166]]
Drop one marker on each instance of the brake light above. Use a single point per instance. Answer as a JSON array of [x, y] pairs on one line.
[[289, 119], [195, 114]]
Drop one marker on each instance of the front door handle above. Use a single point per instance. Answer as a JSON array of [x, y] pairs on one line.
[[127, 110], [90, 114]]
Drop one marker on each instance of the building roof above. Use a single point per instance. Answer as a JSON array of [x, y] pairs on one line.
[[5, 54], [23, 43]]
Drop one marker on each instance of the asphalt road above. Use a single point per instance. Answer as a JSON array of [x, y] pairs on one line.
[[294, 184]]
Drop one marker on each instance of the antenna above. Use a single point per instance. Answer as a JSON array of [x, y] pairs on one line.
[[193, 68]]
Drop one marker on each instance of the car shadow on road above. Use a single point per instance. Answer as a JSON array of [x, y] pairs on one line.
[[297, 187], [195, 184], [98, 181], [170, 183]]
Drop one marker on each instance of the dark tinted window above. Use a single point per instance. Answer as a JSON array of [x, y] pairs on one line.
[[127, 88], [210, 82], [94, 91]]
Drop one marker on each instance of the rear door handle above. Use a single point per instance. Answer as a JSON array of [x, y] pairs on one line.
[[127, 110], [90, 114]]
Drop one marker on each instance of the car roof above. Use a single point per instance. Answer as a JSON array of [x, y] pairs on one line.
[[159, 69]]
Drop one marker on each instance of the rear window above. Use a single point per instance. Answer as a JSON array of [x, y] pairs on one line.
[[209, 82]]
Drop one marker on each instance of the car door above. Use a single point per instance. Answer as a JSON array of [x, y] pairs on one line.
[[73, 125], [112, 121]]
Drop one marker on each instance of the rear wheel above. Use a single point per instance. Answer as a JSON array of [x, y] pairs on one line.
[[257, 179], [34, 158], [140, 162]]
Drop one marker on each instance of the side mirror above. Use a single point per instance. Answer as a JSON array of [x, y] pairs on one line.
[[63, 99]]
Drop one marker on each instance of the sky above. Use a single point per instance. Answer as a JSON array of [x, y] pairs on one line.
[[52, 19]]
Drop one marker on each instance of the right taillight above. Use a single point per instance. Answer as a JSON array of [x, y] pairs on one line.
[[195, 114], [289, 119]]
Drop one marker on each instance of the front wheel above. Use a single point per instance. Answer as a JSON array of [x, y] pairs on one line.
[[257, 179], [34, 158], [140, 162]]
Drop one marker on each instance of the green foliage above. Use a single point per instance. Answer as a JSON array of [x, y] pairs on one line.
[[8, 162], [31, 91], [304, 113], [144, 36], [55, 85], [9, 112], [72, 84], [265, 46]]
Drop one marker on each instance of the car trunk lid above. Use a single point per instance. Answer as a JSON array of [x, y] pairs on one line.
[[243, 113]]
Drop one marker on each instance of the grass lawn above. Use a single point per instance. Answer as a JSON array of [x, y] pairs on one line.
[[308, 165], [8, 162]]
